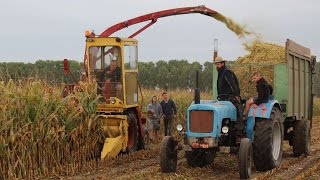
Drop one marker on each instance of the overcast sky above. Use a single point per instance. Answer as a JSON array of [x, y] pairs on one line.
[[54, 30]]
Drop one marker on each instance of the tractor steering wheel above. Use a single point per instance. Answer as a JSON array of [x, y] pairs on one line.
[[223, 97], [228, 97]]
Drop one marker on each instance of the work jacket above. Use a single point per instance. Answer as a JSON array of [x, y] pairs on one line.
[[227, 83], [264, 91]]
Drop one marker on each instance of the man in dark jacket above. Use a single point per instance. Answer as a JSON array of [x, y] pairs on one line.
[[264, 91], [227, 83], [169, 110], [229, 90]]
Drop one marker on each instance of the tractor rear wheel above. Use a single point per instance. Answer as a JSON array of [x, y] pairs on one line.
[[132, 133], [200, 157], [268, 141], [168, 155], [245, 158], [301, 138]]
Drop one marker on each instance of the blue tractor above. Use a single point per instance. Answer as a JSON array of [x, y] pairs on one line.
[[211, 128], [211, 124]]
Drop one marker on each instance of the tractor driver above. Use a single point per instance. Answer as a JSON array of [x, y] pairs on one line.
[[228, 89], [113, 84], [227, 83]]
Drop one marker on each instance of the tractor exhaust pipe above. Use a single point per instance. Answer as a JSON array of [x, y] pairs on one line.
[[215, 48], [197, 90]]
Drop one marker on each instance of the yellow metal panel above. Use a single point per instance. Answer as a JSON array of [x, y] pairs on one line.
[[112, 147], [131, 88], [116, 129]]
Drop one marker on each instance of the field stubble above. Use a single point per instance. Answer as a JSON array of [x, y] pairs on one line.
[[225, 166]]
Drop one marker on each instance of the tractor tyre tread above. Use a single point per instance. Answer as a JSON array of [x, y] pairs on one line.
[[301, 138], [245, 154], [263, 142], [168, 155]]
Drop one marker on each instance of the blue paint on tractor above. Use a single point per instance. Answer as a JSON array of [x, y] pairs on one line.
[[261, 111], [250, 127], [220, 109]]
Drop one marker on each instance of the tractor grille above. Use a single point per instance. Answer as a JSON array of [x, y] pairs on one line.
[[201, 121]]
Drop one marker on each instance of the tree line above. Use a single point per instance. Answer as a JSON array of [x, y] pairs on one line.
[[173, 74], [46, 70]]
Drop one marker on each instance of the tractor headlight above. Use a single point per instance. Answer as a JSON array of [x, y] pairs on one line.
[[179, 127], [225, 129], [112, 101]]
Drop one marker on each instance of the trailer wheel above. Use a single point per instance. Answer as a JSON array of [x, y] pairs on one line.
[[132, 133], [200, 157], [245, 158], [301, 138], [268, 141], [168, 155]]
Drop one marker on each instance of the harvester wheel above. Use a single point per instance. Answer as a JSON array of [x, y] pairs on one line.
[[168, 155], [268, 141], [245, 158], [301, 138], [200, 157], [132, 133]]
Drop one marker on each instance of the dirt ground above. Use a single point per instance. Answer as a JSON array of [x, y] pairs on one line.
[[145, 165]]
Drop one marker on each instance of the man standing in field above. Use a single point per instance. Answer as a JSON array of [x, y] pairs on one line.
[[229, 90], [154, 115], [169, 112]]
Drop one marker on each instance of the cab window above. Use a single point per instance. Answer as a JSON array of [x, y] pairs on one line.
[[130, 57]]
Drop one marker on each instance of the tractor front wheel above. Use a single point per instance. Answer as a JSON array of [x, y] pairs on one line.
[[245, 158], [168, 155]]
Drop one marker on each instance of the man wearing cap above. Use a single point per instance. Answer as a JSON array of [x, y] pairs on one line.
[[228, 89], [227, 83]]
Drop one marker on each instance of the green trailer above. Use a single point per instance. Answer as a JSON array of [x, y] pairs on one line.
[[292, 83]]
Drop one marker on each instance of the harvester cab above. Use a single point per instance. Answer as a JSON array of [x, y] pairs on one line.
[[113, 64]]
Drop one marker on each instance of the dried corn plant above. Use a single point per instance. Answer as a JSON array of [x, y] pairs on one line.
[[42, 133], [263, 52], [261, 58], [243, 73]]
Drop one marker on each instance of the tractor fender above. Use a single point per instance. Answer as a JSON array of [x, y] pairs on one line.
[[261, 111]]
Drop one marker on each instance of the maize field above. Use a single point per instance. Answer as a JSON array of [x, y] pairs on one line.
[[43, 134]]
